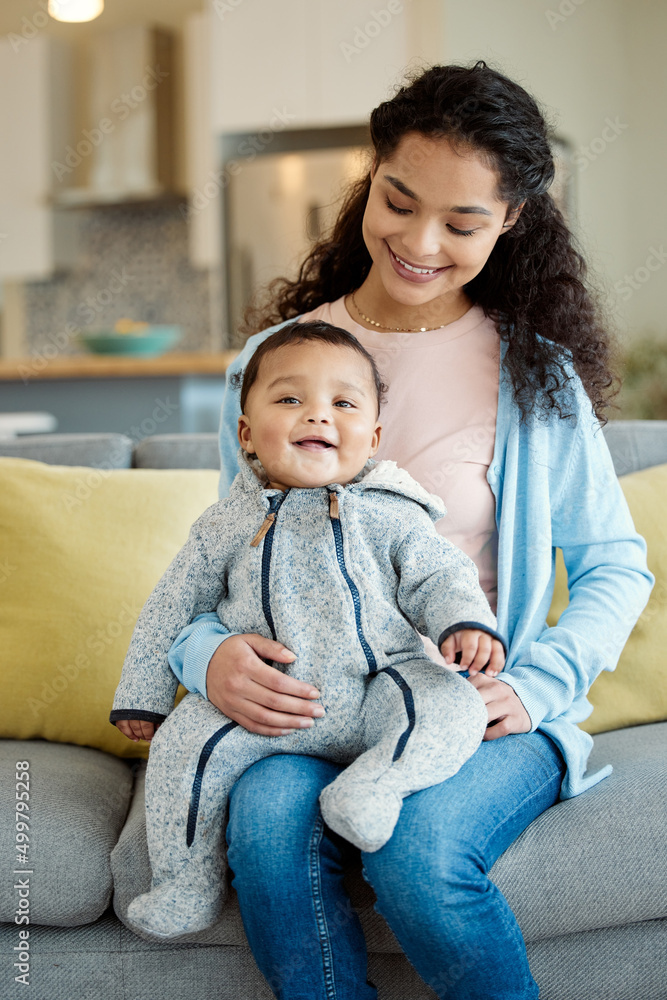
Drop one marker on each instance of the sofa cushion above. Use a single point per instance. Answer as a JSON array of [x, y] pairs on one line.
[[598, 860], [77, 802], [636, 691], [81, 551], [103, 451], [178, 451]]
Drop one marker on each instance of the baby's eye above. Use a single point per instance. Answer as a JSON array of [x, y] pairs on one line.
[[344, 402], [288, 399]]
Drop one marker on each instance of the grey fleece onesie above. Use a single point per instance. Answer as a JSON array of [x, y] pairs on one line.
[[343, 577]]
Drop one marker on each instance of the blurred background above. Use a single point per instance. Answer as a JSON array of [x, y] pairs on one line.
[[167, 157]]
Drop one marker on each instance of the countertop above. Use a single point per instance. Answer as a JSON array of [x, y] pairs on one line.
[[98, 366]]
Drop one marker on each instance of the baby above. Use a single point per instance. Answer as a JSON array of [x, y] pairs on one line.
[[337, 557]]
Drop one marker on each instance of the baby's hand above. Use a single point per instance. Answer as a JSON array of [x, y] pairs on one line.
[[136, 729], [478, 650]]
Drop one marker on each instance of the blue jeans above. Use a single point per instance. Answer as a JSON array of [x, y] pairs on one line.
[[430, 879]]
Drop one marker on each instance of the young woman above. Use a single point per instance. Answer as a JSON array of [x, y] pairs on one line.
[[454, 268]]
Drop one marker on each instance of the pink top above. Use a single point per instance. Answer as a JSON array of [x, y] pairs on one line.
[[439, 421]]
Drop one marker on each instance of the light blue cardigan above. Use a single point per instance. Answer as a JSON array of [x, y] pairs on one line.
[[555, 487]]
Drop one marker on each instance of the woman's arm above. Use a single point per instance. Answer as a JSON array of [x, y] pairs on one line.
[[608, 579], [191, 653]]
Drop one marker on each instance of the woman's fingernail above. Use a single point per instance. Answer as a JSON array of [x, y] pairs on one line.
[[306, 723], [318, 711], [313, 693], [286, 732]]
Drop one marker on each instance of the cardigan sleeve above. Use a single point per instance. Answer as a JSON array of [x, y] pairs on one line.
[[191, 653], [608, 579]]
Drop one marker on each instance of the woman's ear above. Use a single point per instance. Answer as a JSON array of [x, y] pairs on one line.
[[512, 216], [244, 434]]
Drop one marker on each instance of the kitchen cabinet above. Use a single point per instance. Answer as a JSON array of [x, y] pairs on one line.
[[36, 239], [305, 63]]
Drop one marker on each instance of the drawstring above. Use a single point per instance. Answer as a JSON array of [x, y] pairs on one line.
[[268, 521], [333, 507]]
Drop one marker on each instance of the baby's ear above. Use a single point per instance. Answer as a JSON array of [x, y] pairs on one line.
[[244, 434], [375, 440]]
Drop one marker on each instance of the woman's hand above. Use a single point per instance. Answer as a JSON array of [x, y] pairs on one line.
[[506, 712], [257, 696]]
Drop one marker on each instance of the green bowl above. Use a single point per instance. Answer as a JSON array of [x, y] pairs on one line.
[[150, 343]]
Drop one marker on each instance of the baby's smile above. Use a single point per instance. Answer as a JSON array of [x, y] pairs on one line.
[[314, 443]]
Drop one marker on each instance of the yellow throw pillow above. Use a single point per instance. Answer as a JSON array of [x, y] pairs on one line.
[[80, 551], [636, 691]]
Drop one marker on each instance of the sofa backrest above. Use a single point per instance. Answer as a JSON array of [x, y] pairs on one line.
[[634, 444]]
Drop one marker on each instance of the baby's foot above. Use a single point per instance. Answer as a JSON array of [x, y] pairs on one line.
[[363, 813], [173, 909]]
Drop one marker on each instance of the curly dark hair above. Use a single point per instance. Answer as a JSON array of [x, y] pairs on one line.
[[534, 282]]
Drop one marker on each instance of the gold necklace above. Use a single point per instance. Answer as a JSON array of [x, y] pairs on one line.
[[393, 329]]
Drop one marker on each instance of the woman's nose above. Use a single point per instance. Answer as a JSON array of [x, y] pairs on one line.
[[422, 240]]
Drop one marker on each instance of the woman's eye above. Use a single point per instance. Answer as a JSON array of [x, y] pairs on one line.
[[395, 208], [461, 232]]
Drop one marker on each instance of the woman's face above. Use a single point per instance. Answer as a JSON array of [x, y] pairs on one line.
[[432, 219]]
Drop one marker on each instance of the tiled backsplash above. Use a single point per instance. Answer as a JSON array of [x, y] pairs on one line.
[[132, 262]]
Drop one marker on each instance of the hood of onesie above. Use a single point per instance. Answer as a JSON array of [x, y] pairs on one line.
[[384, 476]]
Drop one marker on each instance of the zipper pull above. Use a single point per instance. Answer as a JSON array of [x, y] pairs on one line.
[[266, 524], [333, 507]]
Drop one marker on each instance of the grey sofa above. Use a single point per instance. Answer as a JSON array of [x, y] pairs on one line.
[[587, 880]]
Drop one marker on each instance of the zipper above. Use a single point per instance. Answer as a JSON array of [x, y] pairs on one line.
[[334, 515], [207, 750], [267, 531]]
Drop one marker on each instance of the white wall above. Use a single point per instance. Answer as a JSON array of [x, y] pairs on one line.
[[577, 59], [645, 194]]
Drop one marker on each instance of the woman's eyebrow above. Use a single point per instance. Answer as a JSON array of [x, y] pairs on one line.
[[457, 209]]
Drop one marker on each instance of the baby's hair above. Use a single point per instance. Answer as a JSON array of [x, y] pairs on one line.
[[300, 333]]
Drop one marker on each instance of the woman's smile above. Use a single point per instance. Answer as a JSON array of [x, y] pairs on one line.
[[414, 272]]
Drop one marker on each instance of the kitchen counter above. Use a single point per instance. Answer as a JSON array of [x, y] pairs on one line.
[[178, 392], [102, 366]]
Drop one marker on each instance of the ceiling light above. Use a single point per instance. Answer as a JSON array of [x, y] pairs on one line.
[[75, 10]]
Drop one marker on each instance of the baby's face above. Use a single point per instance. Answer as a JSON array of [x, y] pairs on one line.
[[311, 415]]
